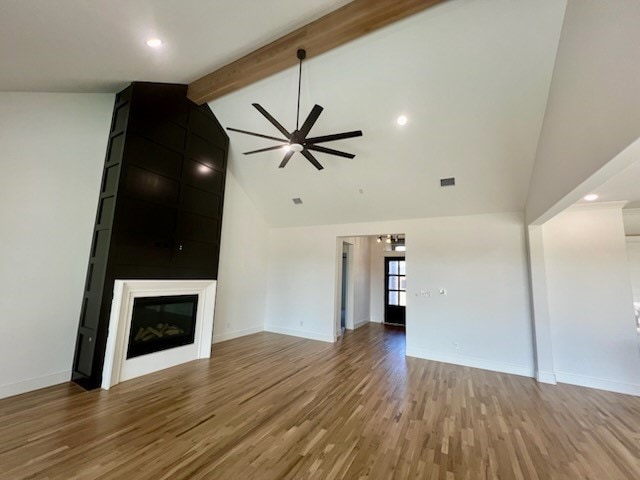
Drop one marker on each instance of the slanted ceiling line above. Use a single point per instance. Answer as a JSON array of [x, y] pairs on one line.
[[334, 29]]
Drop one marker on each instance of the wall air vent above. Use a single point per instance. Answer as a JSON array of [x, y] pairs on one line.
[[448, 182], [297, 201]]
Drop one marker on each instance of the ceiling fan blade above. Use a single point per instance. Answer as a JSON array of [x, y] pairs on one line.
[[286, 159], [273, 121], [312, 159], [330, 151], [257, 135], [331, 138], [311, 120], [266, 149]]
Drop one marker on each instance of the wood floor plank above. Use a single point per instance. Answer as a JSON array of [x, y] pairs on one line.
[[269, 406]]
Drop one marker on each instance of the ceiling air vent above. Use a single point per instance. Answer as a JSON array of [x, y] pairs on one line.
[[448, 182], [297, 201]]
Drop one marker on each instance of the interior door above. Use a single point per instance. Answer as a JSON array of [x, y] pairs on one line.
[[395, 290]]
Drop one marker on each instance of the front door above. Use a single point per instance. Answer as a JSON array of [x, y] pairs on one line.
[[395, 290]]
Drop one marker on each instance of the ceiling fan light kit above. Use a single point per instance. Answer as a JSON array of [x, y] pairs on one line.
[[295, 147], [297, 141]]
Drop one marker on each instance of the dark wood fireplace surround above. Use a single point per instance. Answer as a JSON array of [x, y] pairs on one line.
[[160, 206]]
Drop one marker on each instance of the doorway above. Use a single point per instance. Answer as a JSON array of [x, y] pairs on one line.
[[344, 287], [395, 290], [346, 254]]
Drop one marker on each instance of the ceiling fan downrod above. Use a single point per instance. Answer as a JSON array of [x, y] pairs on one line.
[[302, 54]]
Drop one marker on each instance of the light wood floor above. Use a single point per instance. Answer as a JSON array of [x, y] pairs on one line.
[[269, 406]]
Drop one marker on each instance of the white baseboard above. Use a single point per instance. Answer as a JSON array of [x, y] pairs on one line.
[[223, 337], [598, 383], [521, 370], [300, 333], [32, 384], [361, 323], [546, 377]]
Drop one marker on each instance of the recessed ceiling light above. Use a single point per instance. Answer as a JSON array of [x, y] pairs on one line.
[[402, 120], [591, 197], [154, 42]]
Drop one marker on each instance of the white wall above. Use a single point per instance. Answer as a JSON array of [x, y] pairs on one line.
[[633, 255], [593, 110], [301, 289], [52, 149], [631, 219], [242, 275], [378, 255], [479, 259], [484, 320], [590, 301], [362, 290], [545, 371]]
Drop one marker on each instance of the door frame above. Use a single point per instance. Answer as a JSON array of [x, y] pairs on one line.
[[341, 244], [388, 259]]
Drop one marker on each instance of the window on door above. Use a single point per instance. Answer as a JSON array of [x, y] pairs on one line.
[[395, 290], [397, 283]]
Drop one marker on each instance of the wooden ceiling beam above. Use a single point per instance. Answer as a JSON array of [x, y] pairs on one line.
[[334, 29]]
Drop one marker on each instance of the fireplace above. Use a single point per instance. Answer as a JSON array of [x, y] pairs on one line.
[[157, 324], [160, 323], [159, 216]]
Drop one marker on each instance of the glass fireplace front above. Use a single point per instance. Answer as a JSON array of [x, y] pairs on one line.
[[160, 323]]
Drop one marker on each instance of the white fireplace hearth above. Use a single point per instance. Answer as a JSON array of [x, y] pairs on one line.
[[117, 367]]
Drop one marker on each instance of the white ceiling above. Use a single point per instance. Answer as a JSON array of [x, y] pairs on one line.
[[623, 187], [473, 78], [99, 45]]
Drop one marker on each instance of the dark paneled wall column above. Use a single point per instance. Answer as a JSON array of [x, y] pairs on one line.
[[160, 209]]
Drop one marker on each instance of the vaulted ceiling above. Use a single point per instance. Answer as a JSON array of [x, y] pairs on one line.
[[471, 76]]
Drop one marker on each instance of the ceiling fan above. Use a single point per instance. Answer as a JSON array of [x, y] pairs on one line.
[[297, 140]]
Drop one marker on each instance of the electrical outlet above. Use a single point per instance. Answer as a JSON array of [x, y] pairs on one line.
[[301, 323], [456, 345]]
